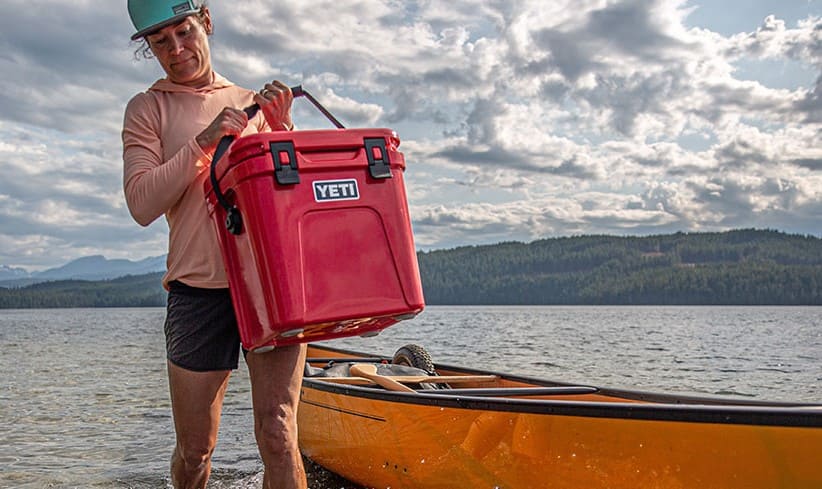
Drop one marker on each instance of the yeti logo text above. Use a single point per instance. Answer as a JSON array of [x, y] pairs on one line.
[[325, 190]]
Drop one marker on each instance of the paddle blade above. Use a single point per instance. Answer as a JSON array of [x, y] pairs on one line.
[[369, 371]]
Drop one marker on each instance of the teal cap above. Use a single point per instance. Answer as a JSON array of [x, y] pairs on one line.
[[152, 15]]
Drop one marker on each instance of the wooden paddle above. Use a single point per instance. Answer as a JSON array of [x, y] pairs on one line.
[[369, 371], [414, 379]]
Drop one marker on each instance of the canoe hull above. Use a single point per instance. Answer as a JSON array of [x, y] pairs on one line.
[[395, 440]]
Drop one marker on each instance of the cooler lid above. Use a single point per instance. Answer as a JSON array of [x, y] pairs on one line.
[[319, 148]]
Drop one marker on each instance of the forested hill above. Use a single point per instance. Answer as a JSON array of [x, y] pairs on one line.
[[735, 267], [130, 291]]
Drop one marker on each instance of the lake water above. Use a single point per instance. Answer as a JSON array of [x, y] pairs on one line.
[[84, 403]]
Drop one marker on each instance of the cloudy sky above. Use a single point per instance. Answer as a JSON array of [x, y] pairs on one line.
[[519, 119]]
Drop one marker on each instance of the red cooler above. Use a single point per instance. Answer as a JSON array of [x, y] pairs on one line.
[[322, 247]]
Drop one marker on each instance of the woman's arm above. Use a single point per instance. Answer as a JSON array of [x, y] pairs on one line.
[[151, 185]]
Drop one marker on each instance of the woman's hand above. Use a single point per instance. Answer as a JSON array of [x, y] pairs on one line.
[[275, 101], [229, 122]]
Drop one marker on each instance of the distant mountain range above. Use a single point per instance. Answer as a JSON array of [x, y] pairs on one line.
[[739, 267], [87, 268]]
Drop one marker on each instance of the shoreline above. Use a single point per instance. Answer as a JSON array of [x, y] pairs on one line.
[[321, 478]]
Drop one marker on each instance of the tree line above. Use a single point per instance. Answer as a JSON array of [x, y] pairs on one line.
[[129, 291], [740, 267], [734, 267]]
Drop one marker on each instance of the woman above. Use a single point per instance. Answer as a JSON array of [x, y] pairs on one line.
[[169, 136]]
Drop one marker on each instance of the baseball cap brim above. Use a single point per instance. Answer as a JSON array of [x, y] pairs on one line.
[[156, 27]]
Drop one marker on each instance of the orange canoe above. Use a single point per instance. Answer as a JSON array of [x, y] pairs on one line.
[[490, 430]]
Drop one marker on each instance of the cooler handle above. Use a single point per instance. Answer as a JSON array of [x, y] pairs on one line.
[[299, 92], [233, 220]]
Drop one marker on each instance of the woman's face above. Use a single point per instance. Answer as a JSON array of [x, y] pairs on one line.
[[183, 52]]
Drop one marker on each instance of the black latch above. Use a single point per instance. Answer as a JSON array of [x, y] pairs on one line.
[[378, 164], [285, 163]]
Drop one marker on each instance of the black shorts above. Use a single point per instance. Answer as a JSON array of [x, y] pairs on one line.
[[201, 329]]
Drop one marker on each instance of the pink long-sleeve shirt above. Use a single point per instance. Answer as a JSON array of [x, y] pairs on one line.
[[164, 169]]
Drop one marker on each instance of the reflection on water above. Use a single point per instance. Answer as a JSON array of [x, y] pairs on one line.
[[84, 400]]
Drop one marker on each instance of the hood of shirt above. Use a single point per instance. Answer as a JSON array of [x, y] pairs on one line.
[[166, 85]]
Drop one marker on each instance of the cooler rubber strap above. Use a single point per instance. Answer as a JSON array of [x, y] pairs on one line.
[[233, 219]]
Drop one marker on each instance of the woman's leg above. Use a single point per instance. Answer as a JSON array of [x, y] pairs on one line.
[[276, 378], [196, 403]]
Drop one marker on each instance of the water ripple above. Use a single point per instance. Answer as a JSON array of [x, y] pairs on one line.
[[84, 402]]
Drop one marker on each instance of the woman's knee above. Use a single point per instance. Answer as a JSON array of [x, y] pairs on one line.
[[192, 455], [276, 430]]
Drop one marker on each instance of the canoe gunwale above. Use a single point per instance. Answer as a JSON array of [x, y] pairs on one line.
[[651, 406], [689, 413]]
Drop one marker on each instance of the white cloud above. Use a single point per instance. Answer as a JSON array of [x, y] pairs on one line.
[[519, 119]]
